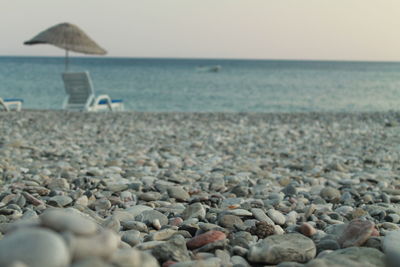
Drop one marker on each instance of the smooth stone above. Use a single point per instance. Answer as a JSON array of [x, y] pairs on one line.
[[335, 229], [134, 225], [101, 245], [60, 201], [307, 229], [219, 244], [391, 247], [163, 234], [239, 261], [289, 190], [356, 233], [91, 262], [149, 245], [136, 210], [353, 256], [229, 221], [279, 248], [276, 216], [195, 210], [327, 244], [130, 257], [260, 215], [148, 216], [112, 223], [211, 262], [224, 256], [178, 193], [291, 218], [102, 204], [173, 249], [205, 238], [150, 196], [63, 220], [59, 184], [329, 193], [132, 237], [35, 247]]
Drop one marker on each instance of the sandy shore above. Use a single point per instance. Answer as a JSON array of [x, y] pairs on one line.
[[158, 181]]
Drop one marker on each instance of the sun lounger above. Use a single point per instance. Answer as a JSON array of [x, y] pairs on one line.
[[11, 103], [81, 96]]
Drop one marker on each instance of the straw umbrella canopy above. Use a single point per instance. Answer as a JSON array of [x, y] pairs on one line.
[[69, 37]]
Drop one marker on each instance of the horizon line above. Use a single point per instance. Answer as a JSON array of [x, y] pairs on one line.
[[206, 58]]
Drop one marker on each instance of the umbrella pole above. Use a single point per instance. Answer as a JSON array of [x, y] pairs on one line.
[[66, 60]]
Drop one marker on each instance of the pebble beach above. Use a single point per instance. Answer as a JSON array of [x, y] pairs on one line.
[[135, 189]]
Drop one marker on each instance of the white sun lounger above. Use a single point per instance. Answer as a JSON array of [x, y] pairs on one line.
[[11, 103], [80, 94]]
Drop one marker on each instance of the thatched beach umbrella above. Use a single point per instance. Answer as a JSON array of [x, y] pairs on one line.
[[69, 37]]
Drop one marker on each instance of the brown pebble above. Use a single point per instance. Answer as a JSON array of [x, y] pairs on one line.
[[307, 229], [356, 233], [204, 239]]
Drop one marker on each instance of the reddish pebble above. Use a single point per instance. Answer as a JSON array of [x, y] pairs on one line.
[[307, 229], [176, 221], [204, 239], [375, 232], [168, 263], [356, 233]]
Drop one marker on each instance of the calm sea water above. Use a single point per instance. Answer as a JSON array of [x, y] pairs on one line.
[[240, 86]]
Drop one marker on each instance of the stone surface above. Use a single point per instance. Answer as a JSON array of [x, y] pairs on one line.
[[356, 233], [174, 249], [391, 247], [279, 248], [195, 210], [353, 256], [307, 229], [35, 247], [60, 220], [131, 257], [148, 216], [204, 239], [101, 245], [178, 193], [276, 216]]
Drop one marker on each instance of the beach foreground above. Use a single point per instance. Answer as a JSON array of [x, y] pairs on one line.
[[207, 189]]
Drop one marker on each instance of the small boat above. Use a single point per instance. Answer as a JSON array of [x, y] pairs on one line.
[[215, 68]]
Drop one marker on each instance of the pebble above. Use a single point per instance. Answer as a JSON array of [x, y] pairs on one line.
[[229, 221], [101, 245], [174, 249], [195, 210], [64, 220], [204, 239], [307, 229], [153, 177], [279, 248], [178, 193], [148, 216], [35, 247], [260, 215], [276, 216], [356, 233], [329, 193], [352, 256], [391, 247]]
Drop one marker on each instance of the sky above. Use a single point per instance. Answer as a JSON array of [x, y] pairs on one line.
[[244, 29]]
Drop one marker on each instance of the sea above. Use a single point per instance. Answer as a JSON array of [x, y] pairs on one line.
[[189, 85]]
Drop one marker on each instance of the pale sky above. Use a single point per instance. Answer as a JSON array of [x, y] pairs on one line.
[[254, 29]]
